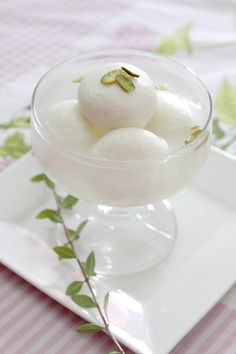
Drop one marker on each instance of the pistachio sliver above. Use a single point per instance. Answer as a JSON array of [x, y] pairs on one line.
[[194, 132], [130, 73], [110, 77], [161, 86], [125, 83], [78, 79], [125, 74]]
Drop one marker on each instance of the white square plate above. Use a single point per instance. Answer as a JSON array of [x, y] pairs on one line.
[[150, 311]]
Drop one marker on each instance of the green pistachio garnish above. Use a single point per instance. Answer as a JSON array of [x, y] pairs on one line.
[[130, 73], [125, 83], [122, 76], [78, 79], [110, 77], [161, 86], [194, 132]]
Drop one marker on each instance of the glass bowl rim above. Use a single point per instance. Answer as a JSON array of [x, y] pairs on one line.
[[108, 162]]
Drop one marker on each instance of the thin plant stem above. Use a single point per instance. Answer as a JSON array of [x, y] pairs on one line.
[[86, 278]]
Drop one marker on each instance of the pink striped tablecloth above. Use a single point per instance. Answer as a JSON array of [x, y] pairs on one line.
[[36, 35]]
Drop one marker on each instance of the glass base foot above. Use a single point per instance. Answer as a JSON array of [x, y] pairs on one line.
[[125, 240]]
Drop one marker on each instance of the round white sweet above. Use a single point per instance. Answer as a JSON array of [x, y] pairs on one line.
[[67, 124], [109, 106], [173, 119], [130, 144]]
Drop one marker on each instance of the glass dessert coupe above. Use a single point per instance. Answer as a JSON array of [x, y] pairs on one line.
[[131, 224]]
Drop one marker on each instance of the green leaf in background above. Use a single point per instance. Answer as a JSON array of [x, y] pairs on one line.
[[21, 122], [43, 178], [229, 142], [83, 301], [217, 131], [50, 214], [179, 40], [14, 146], [225, 103], [74, 288], [90, 264], [64, 252], [68, 202], [89, 328]]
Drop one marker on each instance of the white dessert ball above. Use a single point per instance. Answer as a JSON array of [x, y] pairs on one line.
[[66, 122], [109, 106], [130, 144], [173, 118]]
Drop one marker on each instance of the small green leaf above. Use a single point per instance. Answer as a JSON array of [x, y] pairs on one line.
[[225, 103], [125, 83], [50, 214], [43, 178], [217, 131], [14, 146], [89, 328], [38, 178], [48, 182], [71, 234], [64, 252], [83, 301], [74, 288], [68, 202], [110, 77], [130, 73], [179, 40], [78, 79], [90, 265], [105, 303], [21, 122], [79, 229]]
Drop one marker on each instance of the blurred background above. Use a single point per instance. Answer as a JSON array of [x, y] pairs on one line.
[[201, 34]]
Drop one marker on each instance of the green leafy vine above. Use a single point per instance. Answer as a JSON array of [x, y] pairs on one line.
[[87, 268]]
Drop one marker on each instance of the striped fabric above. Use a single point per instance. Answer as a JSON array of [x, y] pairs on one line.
[[36, 33], [31, 322]]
